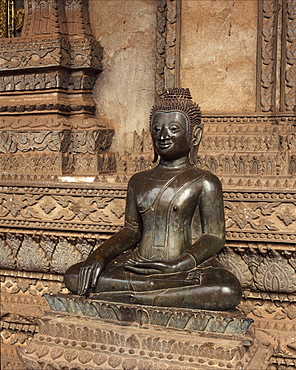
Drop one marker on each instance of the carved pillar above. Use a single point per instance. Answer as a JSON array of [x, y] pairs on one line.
[[48, 128], [288, 75], [47, 112], [168, 44], [276, 74]]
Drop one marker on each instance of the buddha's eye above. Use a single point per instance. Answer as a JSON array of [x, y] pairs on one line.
[[156, 128], [175, 128]]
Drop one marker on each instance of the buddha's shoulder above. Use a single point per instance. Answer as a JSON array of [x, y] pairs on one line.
[[205, 178], [208, 180], [141, 176], [199, 172]]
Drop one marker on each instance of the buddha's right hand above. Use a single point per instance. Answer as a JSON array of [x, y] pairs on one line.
[[89, 274]]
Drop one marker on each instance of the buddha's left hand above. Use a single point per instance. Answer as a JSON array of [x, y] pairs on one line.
[[183, 263]]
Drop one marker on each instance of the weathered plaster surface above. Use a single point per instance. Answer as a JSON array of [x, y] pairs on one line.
[[218, 53], [124, 92]]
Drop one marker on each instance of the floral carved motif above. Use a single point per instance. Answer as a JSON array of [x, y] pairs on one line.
[[261, 267], [275, 274], [234, 263], [244, 215], [46, 253], [287, 215]]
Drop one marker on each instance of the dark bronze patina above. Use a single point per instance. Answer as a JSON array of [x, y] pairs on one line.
[[174, 226]]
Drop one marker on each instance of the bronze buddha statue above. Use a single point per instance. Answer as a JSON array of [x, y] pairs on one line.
[[174, 226]]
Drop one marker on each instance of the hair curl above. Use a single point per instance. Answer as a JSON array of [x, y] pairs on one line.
[[178, 99]]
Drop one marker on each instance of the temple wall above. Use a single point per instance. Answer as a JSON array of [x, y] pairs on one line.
[[218, 54], [74, 128], [125, 91]]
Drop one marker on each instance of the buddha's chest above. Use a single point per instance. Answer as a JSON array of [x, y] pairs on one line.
[[175, 195]]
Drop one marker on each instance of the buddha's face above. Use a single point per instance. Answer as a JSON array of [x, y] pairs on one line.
[[169, 132]]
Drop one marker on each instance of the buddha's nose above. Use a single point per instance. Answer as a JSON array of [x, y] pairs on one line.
[[163, 135]]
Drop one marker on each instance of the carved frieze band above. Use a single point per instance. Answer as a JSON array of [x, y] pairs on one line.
[[245, 147], [30, 288], [257, 215], [58, 151], [48, 108], [63, 208], [263, 267], [50, 80], [31, 53], [78, 141]]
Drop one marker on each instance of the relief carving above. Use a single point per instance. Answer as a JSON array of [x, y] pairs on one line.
[[83, 343], [46, 253], [241, 215], [287, 215], [268, 54], [60, 258], [277, 21], [59, 151], [262, 267], [288, 53], [167, 44], [31, 257], [275, 274], [11, 142]]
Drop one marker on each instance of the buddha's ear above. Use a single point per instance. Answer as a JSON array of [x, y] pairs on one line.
[[196, 138], [197, 135]]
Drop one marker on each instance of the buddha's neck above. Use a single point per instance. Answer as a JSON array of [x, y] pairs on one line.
[[174, 163]]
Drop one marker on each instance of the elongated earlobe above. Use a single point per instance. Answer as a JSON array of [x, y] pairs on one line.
[[196, 138], [192, 155], [155, 157]]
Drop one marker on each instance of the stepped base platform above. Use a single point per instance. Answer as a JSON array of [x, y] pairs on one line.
[[81, 334]]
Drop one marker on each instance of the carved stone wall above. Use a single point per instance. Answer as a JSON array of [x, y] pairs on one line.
[[47, 112], [48, 129]]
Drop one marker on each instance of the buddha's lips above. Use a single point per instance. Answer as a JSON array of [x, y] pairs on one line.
[[164, 145]]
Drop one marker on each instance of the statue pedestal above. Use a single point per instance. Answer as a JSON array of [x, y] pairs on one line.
[[80, 333]]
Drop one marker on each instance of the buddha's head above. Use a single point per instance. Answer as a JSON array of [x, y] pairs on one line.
[[175, 125]]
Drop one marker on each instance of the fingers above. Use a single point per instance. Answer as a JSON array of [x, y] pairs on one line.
[[84, 279], [97, 270], [131, 261]]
